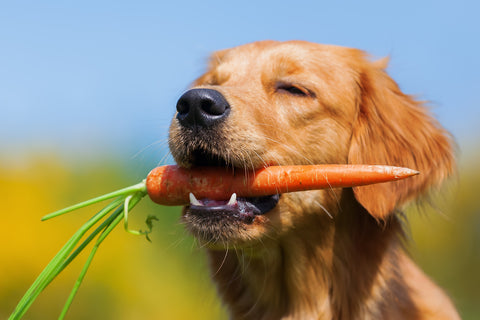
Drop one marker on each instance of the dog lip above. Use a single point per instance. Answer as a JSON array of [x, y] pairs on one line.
[[202, 158]]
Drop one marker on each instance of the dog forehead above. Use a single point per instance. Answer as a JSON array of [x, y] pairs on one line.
[[278, 59]]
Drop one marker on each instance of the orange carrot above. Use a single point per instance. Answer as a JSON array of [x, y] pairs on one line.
[[171, 185]]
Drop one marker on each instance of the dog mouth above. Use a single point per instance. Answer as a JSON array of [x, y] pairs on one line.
[[235, 209]]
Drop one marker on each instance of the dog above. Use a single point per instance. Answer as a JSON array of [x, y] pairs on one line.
[[324, 254]]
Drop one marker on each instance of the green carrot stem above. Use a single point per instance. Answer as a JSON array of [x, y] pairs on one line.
[[82, 246], [79, 249], [118, 214], [48, 274], [139, 187]]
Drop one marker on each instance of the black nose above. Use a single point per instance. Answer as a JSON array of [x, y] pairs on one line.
[[202, 108]]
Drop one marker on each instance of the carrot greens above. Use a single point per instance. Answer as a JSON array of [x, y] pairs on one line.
[[112, 214]]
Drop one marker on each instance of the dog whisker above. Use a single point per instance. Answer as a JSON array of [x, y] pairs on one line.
[[163, 160], [222, 263], [324, 209], [159, 143]]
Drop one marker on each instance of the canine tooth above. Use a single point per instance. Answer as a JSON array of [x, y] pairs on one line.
[[193, 200], [233, 200]]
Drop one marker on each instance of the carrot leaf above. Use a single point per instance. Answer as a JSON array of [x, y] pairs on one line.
[[125, 200]]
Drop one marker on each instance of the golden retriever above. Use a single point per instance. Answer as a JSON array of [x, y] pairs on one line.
[[325, 254]]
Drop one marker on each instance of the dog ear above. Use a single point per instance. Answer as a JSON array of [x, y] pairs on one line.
[[392, 128]]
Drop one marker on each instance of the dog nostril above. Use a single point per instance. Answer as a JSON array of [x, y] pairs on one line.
[[202, 108], [211, 107], [182, 107]]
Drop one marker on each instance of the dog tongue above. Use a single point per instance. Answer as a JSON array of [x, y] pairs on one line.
[[253, 206], [213, 203]]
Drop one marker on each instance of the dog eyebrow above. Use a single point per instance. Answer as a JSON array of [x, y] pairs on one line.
[[286, 66]]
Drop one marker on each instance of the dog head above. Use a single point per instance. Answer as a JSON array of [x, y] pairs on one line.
[[293, 103]]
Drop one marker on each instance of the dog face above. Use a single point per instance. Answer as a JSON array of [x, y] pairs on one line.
[[293, 103]]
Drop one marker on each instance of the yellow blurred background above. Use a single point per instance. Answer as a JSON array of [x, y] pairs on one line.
[[131, 278]]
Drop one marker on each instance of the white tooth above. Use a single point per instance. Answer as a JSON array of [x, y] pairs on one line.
[[193, 200], [233, 200]]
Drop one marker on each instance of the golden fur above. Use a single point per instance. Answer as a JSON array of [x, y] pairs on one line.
[[326, 254]]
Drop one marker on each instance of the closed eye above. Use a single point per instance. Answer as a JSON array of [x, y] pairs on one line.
[[294, 90]]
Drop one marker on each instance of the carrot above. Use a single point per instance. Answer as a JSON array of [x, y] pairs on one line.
[[171, 185]]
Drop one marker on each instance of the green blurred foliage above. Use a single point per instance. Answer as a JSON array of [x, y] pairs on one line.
[[131, 278]]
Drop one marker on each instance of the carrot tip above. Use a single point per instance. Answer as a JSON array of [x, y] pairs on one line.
[[405, 172]]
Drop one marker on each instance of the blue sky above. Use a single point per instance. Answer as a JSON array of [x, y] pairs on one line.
[[88, 76]]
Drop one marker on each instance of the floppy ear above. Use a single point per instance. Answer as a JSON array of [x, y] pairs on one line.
[[393, 129]]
